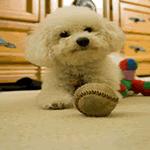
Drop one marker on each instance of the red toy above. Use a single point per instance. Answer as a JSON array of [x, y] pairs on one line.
[[128, 67]]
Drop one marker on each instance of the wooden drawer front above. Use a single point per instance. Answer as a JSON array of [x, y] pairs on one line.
[[139, 40], [130, 51], [143, 68], [141, 2], [131, 11], [14, 72], [13, 54], [25, 10]]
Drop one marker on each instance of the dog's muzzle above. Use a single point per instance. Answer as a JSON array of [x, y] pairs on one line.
[[83, 41]]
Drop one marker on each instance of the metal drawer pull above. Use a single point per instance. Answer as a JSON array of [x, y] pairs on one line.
[[137, 48], [7, 44], [137, 19]]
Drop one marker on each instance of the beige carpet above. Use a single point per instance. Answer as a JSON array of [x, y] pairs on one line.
[[23, 126]]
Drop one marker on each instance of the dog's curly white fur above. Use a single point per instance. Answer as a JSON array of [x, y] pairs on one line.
[[65, 59]]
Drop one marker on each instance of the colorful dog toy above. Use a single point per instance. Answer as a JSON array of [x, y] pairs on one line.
[[128, 67]]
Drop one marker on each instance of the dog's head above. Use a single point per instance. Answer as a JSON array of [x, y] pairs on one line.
[[74, 36]]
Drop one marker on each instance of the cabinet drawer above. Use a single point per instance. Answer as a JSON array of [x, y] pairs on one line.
[[137, 40], [13, 55], [131, 48], [24, 10], [135, 18], [14, 38], [143, 68], [141, 2]]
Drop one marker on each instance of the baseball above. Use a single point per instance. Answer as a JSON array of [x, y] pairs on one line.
[[95, 99]]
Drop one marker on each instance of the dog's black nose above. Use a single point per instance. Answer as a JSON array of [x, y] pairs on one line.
[[83, 41]]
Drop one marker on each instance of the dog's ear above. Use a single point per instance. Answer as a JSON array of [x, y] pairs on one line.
[[114, 35], [36, 50]]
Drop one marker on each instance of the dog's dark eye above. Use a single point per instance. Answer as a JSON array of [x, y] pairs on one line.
[[64, 34], [88, 29]]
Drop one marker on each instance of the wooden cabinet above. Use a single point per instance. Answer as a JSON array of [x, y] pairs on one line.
[[17, 18], [133, 16]]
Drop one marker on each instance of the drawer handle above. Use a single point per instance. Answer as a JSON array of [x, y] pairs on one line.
[[137, 19], [137, 48], [7, 44]]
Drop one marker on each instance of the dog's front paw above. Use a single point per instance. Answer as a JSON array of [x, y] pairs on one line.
[[56, 105], [46, 100]]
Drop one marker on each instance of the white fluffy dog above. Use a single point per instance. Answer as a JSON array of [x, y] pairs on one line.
[[73, 43]]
